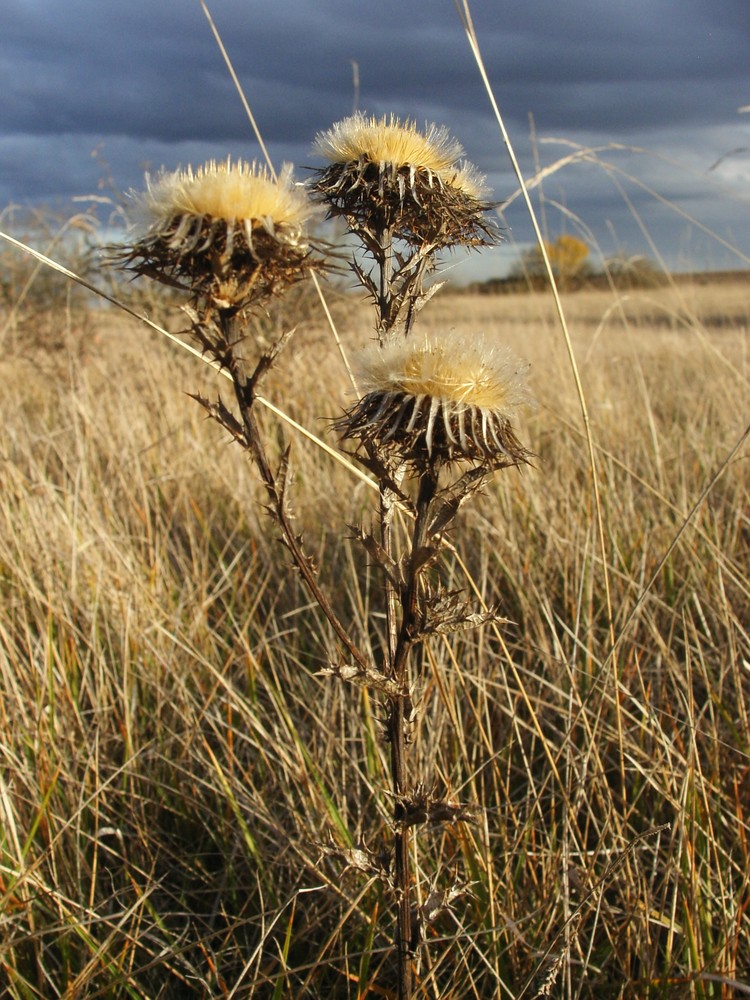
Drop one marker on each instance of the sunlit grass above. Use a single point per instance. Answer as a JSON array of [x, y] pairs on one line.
[[165, 770]]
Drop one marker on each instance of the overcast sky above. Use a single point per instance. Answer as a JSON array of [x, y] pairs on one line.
[[93, 91]]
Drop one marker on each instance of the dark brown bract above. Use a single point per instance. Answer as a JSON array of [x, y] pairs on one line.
[[425, 430], [419, 205], [225, 263]]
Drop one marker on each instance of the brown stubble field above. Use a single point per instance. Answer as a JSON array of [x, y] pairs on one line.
[[171, 761]]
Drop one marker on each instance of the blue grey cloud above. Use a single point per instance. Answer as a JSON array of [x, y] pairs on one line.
[[145, 84]]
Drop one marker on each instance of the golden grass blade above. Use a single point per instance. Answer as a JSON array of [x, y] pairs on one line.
[[73, 222], [590, 154], [687, 521], [238, 87]]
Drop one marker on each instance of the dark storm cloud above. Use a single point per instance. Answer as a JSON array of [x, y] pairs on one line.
[[153, 70], [145, 83]]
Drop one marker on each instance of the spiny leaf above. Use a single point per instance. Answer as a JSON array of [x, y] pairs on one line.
[[422, 557], [222, 415], [360, 859], [423, 806], [368, 677], [450, 500], [446, 611], [437, 902]]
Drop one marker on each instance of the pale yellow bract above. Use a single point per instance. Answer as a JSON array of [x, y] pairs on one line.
[[458, 370], [229, 191], [389, 141]]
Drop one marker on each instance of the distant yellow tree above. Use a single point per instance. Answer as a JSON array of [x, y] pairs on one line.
[[568, 256]]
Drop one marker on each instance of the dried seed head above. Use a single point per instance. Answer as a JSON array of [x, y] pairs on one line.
[[227, 231], [440, 399], [387, 172]]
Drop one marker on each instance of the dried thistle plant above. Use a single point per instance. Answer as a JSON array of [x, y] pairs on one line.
[[434, 422], [228, 233], [232, 236], [405, 195], [436, 414]]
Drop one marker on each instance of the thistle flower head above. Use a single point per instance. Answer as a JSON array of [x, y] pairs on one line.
[[387, 170], [440, 398], [228, 231], [390, 142], [238, 191]]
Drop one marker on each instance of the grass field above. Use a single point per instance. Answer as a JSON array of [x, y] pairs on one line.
[[171, 762]]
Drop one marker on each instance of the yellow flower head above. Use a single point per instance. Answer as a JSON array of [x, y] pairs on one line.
[[441, 398], [390, 143], [414, 182], [240, 194], [229, 231]]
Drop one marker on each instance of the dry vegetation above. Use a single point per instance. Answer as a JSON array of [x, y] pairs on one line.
[[169, 756]]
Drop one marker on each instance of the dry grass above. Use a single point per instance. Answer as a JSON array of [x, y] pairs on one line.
[[169, 757]]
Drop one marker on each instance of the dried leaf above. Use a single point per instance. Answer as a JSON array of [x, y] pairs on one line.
[[450, 500], [437, 902], [446, 611], [422, 806], [379, 555], [222, 415], [360, 859], [423, 557], [368, 677], [546, 979], [384, 469]]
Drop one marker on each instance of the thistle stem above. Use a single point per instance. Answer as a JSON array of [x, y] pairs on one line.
[[245, 388], [398, 635], [397, 732], [402, 874], [385, 262], [397, 716]]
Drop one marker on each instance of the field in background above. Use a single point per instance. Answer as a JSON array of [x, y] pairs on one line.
[[171, 761]]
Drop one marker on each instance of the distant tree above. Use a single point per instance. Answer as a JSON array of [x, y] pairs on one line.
[[568, 256]]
